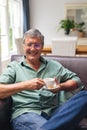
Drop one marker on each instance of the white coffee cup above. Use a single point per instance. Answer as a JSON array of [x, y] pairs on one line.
[[50, 82]]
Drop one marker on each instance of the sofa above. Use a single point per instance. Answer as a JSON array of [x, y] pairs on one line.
[[76, 64]]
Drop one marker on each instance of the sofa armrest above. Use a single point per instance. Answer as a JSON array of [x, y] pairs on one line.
[[5, 113]]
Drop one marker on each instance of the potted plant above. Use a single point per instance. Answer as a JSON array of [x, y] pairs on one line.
[[66, 24], [80, 27]]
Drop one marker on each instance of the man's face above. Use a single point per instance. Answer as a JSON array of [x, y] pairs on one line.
[[33, 48]]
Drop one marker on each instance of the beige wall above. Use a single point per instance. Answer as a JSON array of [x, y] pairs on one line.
[[46, 14]]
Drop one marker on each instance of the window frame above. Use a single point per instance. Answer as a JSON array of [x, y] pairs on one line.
[[6, 38]]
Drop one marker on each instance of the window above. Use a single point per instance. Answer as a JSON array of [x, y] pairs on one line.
[[11, 25]]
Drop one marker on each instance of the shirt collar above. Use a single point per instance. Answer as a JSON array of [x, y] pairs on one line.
[[23, 61]]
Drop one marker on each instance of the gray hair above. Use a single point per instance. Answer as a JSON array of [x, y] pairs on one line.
[[33, 33]]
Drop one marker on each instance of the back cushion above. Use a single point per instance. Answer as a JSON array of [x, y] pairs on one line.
[[75, 64]]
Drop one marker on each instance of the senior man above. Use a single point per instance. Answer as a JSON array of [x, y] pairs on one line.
[[35, 108]]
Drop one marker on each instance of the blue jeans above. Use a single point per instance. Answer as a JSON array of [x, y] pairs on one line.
[[67, 117]]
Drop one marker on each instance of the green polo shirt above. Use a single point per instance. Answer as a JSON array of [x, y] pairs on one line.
[[37, 100]]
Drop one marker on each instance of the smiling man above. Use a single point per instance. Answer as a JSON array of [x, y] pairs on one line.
[[33, 46], [35, 108]]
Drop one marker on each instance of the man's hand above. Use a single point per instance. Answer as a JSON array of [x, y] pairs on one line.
[[35, 84]]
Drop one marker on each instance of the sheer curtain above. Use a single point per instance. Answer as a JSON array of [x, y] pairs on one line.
[[0, 56], [26, 15], [0, 67]]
